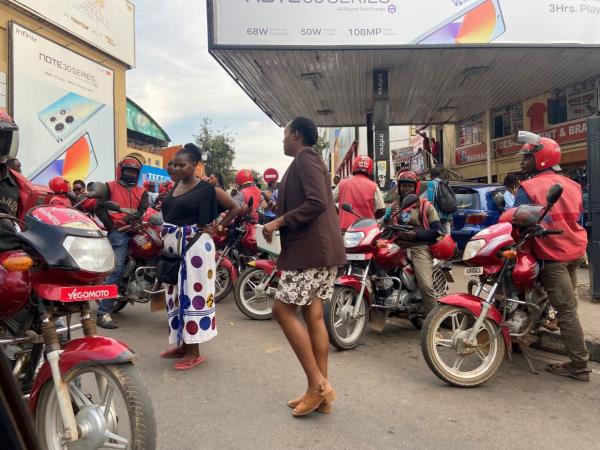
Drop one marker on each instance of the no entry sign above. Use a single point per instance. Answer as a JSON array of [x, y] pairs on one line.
[[270, 175]]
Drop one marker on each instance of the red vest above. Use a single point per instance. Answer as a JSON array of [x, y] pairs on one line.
[[564, 215], [359, 191], [128, 198], [252, 192], [60, 200]]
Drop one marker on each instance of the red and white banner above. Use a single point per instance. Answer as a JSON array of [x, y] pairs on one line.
[[472, 153]]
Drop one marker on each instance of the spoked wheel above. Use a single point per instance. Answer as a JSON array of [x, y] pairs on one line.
[[252, 296], [112, 410], [345, 330], [445, 346], [223, 283]]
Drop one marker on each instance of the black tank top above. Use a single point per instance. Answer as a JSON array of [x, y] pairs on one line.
[[198, 206]]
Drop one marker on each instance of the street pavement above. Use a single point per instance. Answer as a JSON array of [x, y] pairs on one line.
[[387, 396]]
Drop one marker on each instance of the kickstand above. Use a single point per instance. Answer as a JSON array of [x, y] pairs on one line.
[[525, 350]]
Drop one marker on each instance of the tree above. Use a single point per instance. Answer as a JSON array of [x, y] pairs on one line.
[[321, 145], [219, 145]]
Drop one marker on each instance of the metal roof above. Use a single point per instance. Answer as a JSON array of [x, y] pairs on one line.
[[426, 85]]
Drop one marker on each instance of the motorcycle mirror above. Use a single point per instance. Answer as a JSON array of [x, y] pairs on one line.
[[156, 219], [554, 194], [408, 201], [250, 203], [112, 206], [526, 137], [499, 200], [97, 190], [347, 207], [72, 196]]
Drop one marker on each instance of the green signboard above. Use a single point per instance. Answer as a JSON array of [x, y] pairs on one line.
[[138, 120]]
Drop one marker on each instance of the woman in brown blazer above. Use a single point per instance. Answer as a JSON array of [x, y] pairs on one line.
[[311, 252]]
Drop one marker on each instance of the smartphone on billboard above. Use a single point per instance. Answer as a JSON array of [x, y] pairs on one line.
[[67, 114], [76, 162], [480, 23]]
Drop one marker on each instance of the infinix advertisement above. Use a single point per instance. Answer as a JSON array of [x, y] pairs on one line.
[[63, 105], [327, 23]]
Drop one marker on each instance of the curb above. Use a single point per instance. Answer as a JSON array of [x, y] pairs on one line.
[[552, 342]]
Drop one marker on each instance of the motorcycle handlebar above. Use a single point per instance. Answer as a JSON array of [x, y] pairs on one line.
[[545, 232]]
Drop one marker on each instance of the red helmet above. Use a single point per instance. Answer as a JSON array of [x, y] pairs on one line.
[[9, 136], [129, 162], [243, 176], [545, 151], [59, 185], [408, 176], [444, 248], [364, 164]]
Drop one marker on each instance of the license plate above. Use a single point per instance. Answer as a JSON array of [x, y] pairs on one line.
[[356, 257], [474, 271], [85, 293]]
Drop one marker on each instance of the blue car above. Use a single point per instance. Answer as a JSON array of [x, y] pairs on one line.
[[479, 206]]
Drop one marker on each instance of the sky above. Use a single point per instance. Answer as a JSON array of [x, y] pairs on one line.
[[178, 82]]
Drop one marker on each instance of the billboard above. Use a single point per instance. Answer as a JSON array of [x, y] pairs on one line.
[[347, 23], [105, 24], [63, 104]]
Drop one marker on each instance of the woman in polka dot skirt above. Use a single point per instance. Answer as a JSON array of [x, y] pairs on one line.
[[191, 208]]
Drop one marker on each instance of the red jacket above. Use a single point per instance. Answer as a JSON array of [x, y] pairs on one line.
[[359, 191], [252, 192], [30, 195], [60, 200], [128, 198], [564, 215]]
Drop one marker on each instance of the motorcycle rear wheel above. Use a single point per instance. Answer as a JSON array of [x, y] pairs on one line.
[[129, 422], [118, 305], [339, 321], [223, 283], [246, 297], [440, 341]]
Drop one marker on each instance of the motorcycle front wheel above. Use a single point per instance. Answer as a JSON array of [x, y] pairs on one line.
[[112, 410], [253, 299], [223, 283], [345, 331], [445, 349]]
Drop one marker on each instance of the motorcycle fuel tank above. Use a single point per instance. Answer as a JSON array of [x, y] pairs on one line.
[[389, 255]]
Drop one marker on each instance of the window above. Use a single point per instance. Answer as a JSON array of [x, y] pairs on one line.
[[470, 132], [574, 102], [157, 163], [508, 120]]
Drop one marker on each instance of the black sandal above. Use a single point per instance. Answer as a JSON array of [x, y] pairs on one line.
[[567, 370]]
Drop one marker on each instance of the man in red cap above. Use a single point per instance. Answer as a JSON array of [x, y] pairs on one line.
[[541, 157], [361, 192], [133, 200]]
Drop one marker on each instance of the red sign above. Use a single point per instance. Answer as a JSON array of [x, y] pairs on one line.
[[76, 293], [472, 153], [563, 134], [270, 175]]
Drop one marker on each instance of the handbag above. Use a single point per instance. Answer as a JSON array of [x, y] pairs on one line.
[[167, 269]]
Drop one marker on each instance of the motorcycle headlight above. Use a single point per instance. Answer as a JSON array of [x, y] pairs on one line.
[[353, 238], [472, 248], [91, 254]]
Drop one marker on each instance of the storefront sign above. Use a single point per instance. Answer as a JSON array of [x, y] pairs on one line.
[[465, 155], [63, 103], [417, 163], [105, 24], [402, 156], [382, 156], [563, 134], [340, 141], [369, 23], [138, 120]]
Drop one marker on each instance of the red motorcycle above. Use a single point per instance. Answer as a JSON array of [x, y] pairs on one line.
[[379, 281], [465, 337], [139, 282], [255, 289], [84, 392]]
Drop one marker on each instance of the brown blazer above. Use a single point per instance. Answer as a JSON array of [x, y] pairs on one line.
[[311, 236]]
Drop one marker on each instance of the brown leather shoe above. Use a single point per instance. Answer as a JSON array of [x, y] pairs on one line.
[[312, 400], [324, 408]]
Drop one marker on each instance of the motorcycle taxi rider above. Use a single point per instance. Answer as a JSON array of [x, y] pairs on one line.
[[541, 158], [427, 226], [132, 199], [247, 190]]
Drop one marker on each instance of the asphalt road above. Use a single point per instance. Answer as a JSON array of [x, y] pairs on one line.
[[387, 396]]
